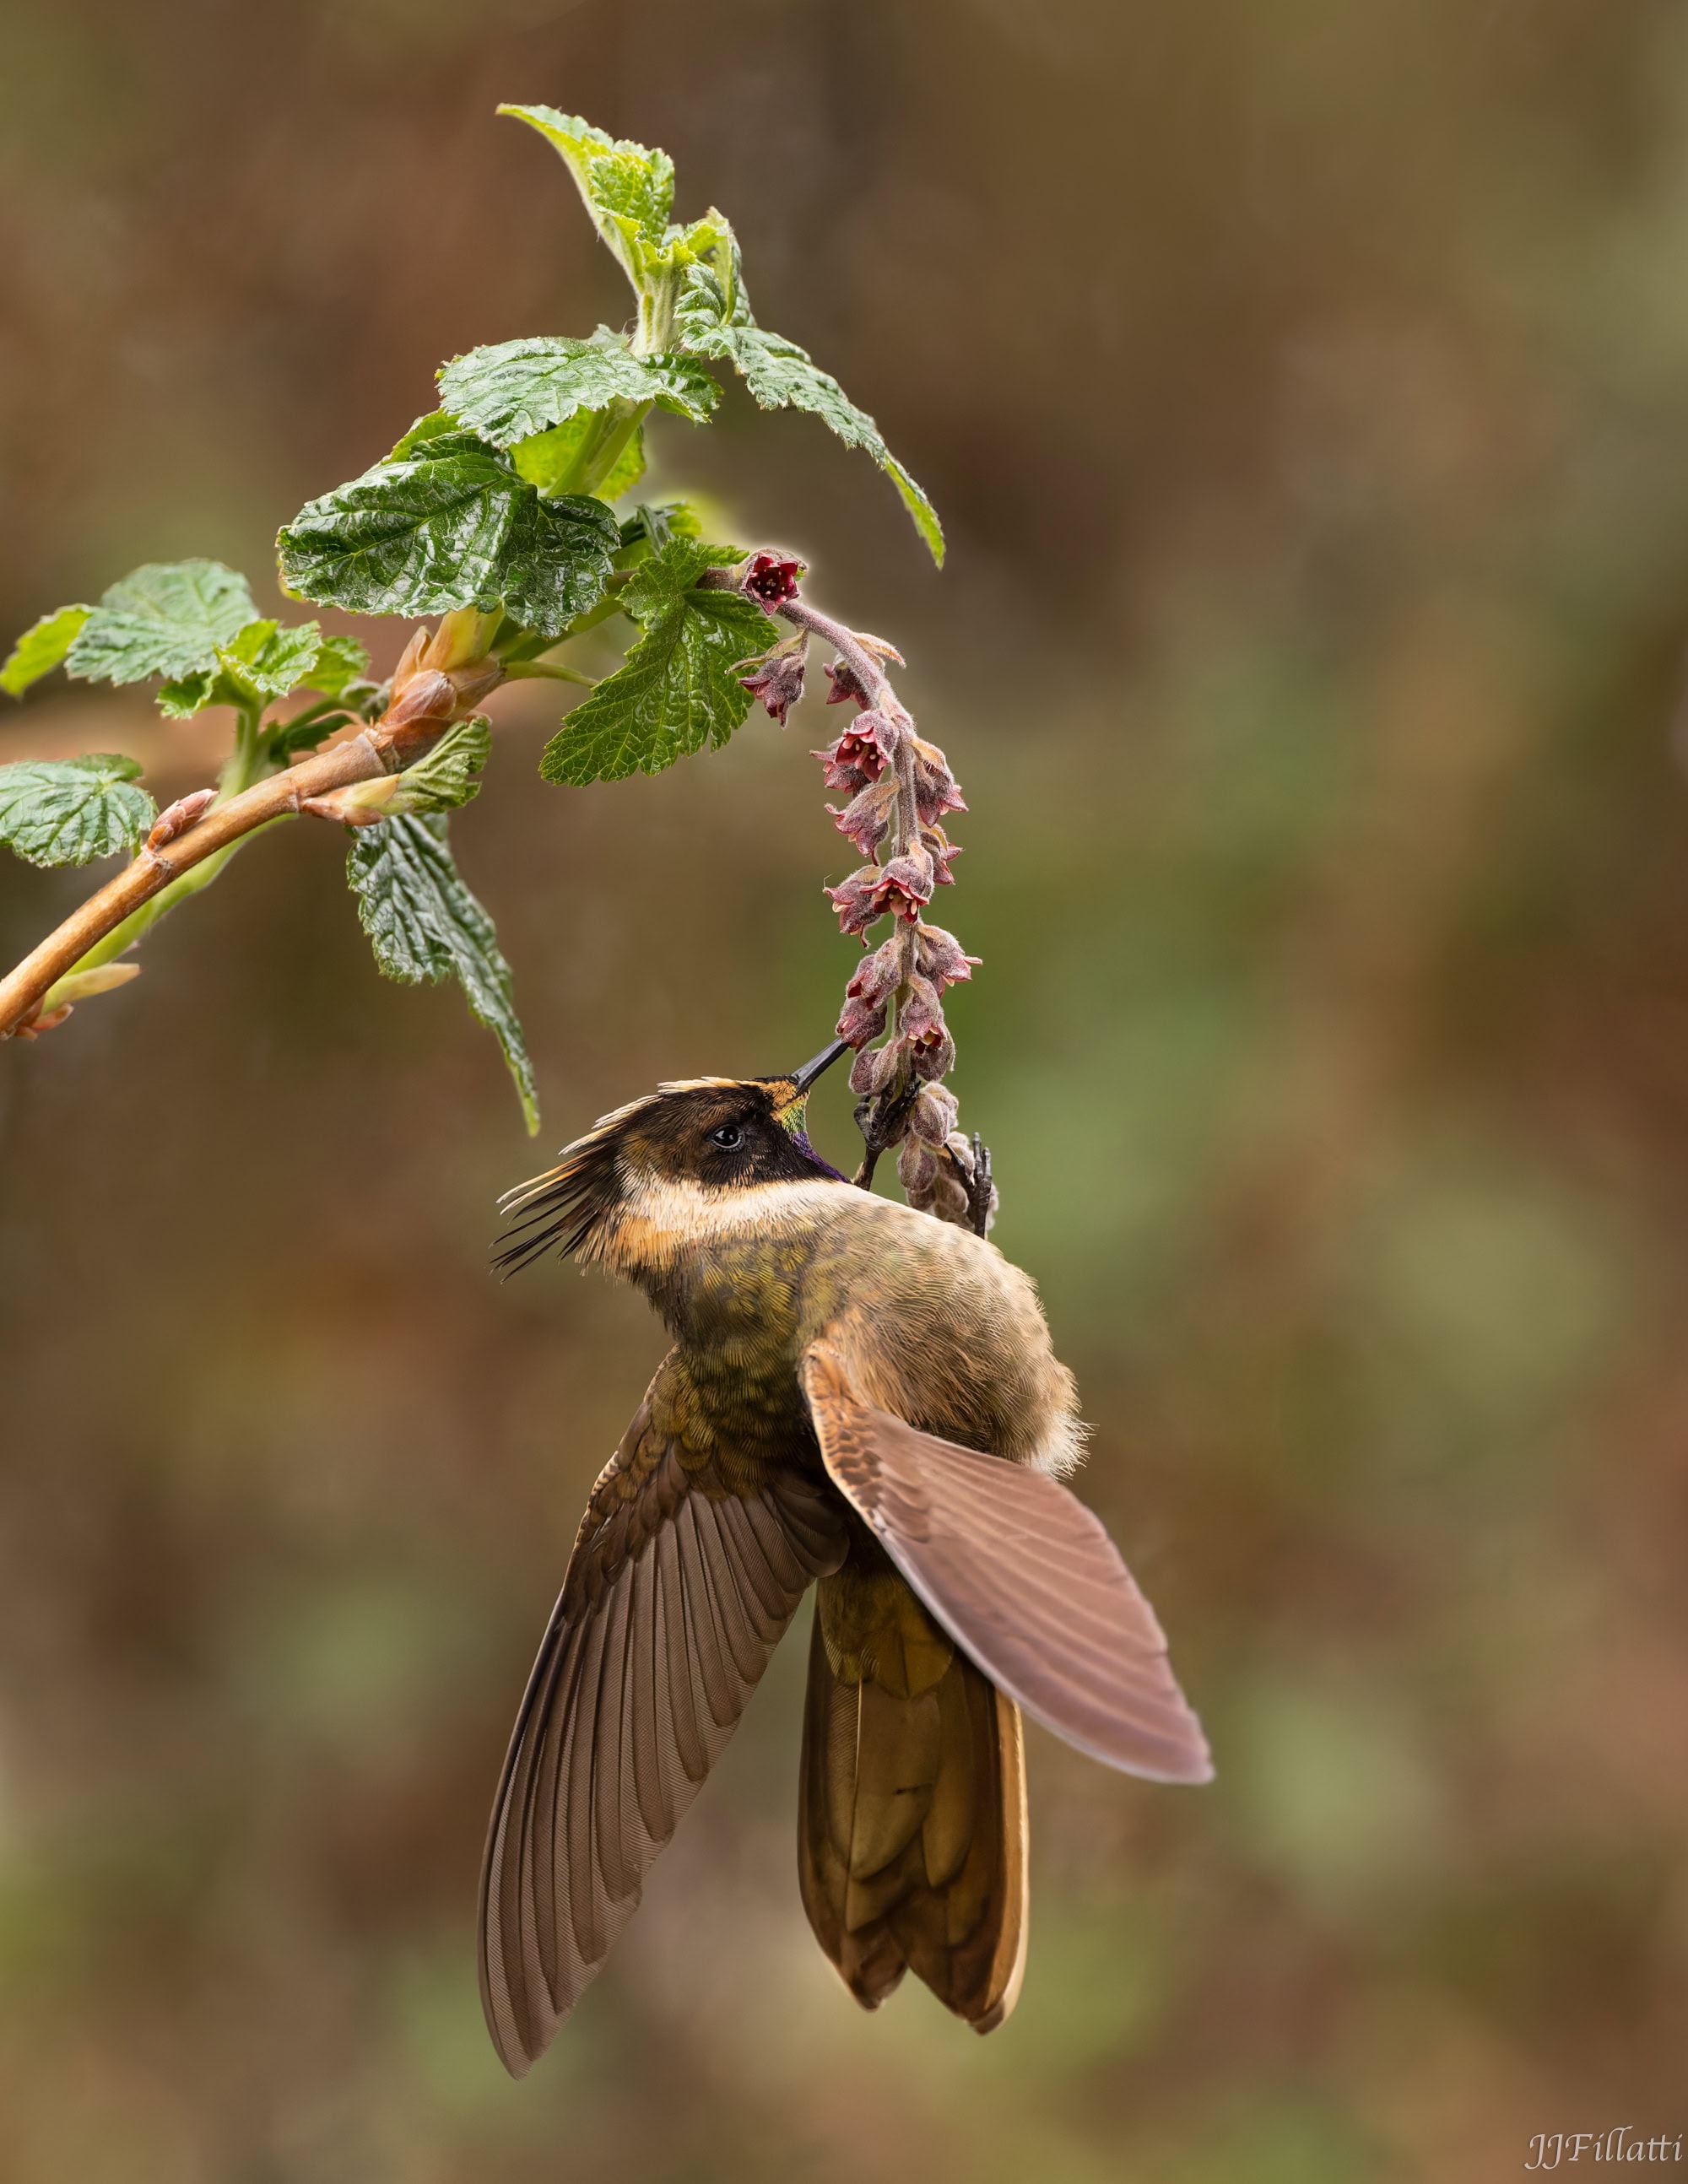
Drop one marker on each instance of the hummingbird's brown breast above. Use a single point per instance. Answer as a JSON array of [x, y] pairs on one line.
[[940, 1328]]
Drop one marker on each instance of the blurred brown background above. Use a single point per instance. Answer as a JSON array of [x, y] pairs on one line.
[[1306, 386]]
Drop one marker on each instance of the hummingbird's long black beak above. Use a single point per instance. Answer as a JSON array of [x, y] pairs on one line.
[[801, 1079]]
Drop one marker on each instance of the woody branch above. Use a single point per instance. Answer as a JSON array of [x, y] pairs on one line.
[[431, 687]]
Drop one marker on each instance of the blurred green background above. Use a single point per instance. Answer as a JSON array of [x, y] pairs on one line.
[[1306, 386]]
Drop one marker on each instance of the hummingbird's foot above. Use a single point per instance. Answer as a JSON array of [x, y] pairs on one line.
[[980, 1191], [883, 1120]]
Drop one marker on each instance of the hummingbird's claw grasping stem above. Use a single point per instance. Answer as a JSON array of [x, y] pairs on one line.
[[881, 1118], [979, 1187]]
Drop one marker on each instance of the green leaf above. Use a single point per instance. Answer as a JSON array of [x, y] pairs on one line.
[[627, 188], [514, 389], [187, 694], [452, 525], [166, 619], [339, 660], [41, 649], [266, 659], [781, 375], [448, 777], [65, 811], [424, 923], [678, 690], [425, 429]]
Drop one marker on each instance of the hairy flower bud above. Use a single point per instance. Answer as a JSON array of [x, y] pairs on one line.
[[916, 1167], [933, 1116], [935, 791], [938, 956], [859, 1020], [942, 851], [777, 676], [875, 1067], [846, 684], [771, 579], [878, 975], [867, 820]]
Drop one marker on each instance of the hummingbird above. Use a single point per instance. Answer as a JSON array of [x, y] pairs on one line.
[[860, 1398]]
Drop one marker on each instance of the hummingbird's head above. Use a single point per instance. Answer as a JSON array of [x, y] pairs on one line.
[[703, 1137]]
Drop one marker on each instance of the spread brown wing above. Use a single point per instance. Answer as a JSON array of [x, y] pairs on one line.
[[679, 1588], [1021, 1574]]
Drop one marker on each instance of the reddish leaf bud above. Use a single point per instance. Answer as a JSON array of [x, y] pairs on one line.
[[778, 679], [771, 579], [935, 791], [937, 955], [867, 820], [410, 660], [428, 696], [176, 818], [472, 681]]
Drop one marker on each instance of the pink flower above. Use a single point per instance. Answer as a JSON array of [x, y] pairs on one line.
[[934, 1059], [778, 680], [771, 579], [935, 791], [867, 820], [937, 955], [854, 900], [904, 886], [860, 753], [921, 1020]]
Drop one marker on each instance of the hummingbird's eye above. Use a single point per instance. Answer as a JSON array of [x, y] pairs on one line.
[[729, 1137]]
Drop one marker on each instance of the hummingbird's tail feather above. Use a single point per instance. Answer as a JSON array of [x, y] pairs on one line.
[[911, 1827]]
